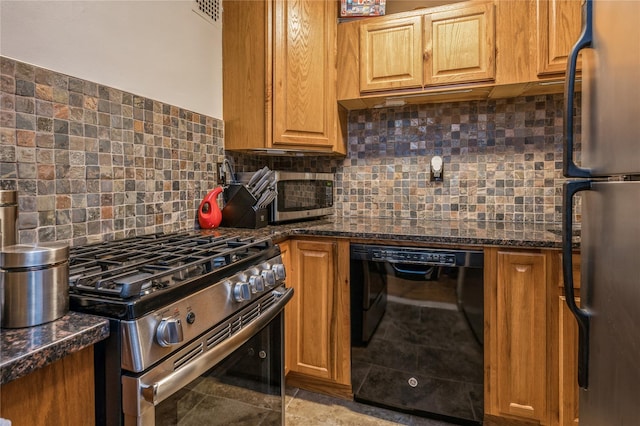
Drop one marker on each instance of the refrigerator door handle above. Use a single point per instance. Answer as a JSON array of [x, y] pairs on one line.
[[582, 316], [569, 167]]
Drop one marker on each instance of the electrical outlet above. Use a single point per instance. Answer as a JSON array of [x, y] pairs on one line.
[[436, 169], [220, 176]]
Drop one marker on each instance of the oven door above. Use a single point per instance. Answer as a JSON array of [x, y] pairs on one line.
[[240, 381]]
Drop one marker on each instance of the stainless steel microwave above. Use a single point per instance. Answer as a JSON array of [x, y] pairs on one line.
[[300, 196]]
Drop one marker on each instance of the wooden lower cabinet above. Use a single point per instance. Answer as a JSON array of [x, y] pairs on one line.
[[530, 340], [61, 393], [516, 353], [317, 319], [566, 356], [564, 351]]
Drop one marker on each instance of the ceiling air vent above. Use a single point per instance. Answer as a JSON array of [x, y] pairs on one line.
[[210, 10]]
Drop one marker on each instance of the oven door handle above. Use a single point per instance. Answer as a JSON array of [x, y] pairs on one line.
[[166, 386]]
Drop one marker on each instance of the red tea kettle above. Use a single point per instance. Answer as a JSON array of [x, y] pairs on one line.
[[209, 214]]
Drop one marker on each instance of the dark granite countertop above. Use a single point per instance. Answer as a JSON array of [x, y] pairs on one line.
[[23, 350], [466, 233]]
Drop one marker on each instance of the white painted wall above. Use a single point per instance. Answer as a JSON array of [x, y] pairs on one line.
[[159, 49]]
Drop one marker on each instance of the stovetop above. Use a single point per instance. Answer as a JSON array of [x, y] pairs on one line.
[[131, 277]]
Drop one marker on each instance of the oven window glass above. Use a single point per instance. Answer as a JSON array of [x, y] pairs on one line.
[[245, 388], [300, 195]]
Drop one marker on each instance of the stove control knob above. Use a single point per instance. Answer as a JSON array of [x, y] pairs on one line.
[[257, 284], [278, 269], [241, 292], [169, 332], [269, 277]]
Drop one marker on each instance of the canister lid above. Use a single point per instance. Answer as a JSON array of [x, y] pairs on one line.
[[8, 197], [30, 255]]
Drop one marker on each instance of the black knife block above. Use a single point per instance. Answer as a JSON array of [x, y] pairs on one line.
[[238, 211]]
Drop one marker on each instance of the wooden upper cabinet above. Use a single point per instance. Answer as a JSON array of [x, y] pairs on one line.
[[245, 73], [559, 25], [446, 45], [391, 54], [460, 45], [279, 76], [304, 70]]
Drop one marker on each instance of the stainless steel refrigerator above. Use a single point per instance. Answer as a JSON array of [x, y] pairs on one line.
[[609, 189]]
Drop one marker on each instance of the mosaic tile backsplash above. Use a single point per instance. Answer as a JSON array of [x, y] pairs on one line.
[[502, 161], [92, 162]]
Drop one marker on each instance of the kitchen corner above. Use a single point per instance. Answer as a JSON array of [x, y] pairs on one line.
[[113, 154]]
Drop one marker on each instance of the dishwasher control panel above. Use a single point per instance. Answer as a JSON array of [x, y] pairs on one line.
[[417, 256]]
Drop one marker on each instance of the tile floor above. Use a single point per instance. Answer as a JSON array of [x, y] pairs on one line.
[[305, 408]]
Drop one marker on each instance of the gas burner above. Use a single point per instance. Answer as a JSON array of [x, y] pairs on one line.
[[136, 268]]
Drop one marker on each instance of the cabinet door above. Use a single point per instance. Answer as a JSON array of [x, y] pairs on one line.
[[304, 92], [516, 385], [291, 307], [246, 73], [460, 45], [317, 320], [314, 266], [568, 366], [559, 23], [391, 54], [61, 393], [566, 354]]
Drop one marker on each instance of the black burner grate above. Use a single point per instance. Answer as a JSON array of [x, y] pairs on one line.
[[138, 267]]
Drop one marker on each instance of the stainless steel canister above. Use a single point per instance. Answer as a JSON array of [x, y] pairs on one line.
[[34, 280], [8, 218]]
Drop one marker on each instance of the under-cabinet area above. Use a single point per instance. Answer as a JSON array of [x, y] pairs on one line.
[[431, 350]]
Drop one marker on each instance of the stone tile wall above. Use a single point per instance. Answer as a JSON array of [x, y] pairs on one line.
[[92, 162], [502, 161]]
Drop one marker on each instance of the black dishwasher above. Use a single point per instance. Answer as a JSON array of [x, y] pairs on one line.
[[417, 330]]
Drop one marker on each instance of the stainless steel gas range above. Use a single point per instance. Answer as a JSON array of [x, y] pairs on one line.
[[196, 328]]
